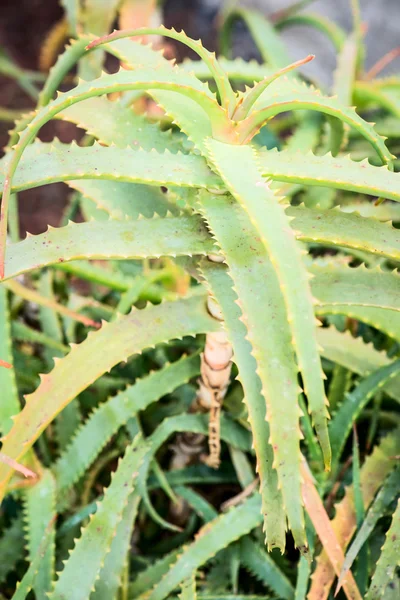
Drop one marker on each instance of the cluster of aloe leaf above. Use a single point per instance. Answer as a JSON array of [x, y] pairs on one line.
[[193, 212]]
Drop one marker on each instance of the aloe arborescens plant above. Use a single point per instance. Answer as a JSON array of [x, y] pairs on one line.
[[246, 245]]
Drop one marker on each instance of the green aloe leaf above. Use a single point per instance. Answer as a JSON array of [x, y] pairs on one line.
[[9, 405], [111, 573], [357, 356], [49, 163], [262, 566], [105, 421], [81, 571], [113, 123], [388, 492], [283, 96], [121, 200], [374, 471], [239, 169], [343, 229], [338, 284], [11, 547], [40, 516], [220, 285], [118, 340], [333, 32], [273, 359], [353, 404], [211, 538], [268, 42], [169, 236], [388, 560], [337, 172]]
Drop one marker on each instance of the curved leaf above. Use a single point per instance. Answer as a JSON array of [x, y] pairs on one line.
[[113, 123], [353, 404], [238, 167], [384, 319], [48, 163], [125, 200], [337, 172], [220, 286], [268, 42], [388, 492], [300, 97], [329, 28], [227, 95], [388, 560], [263, 567], [269, 336], [345, 229], [105, 421], [9, 405], [211, 538], [357, 356], [110, 575], [374, 471], [40, 514], [80, 572], [169, 236], [117, 340], [338, 284]]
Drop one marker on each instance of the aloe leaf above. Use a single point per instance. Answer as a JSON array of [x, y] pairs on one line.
[[9, 405], [263, 568], [268, 42], [11, 547], [345, 73], [335, 33], [269, 339], [346, 230], [81, 571], [236, 69], [227, 95], [148, 578], [325, 531], [387, 493], [337, 284], [388, 560], [97, 17], [384, 319], [353, 404], [110, 575], [211, 538], [230, 432], [366, 94], [71, 9], [337, 172], [220, 286], [139, 79], [29, 579], [105, 421], [238, 167], [299, 98], [113, 123], [188, 588], [125, 200], [357, 356], [48, 163], [199, 504], [169, 236], [374, 471], [118, 340], [40, 518]]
